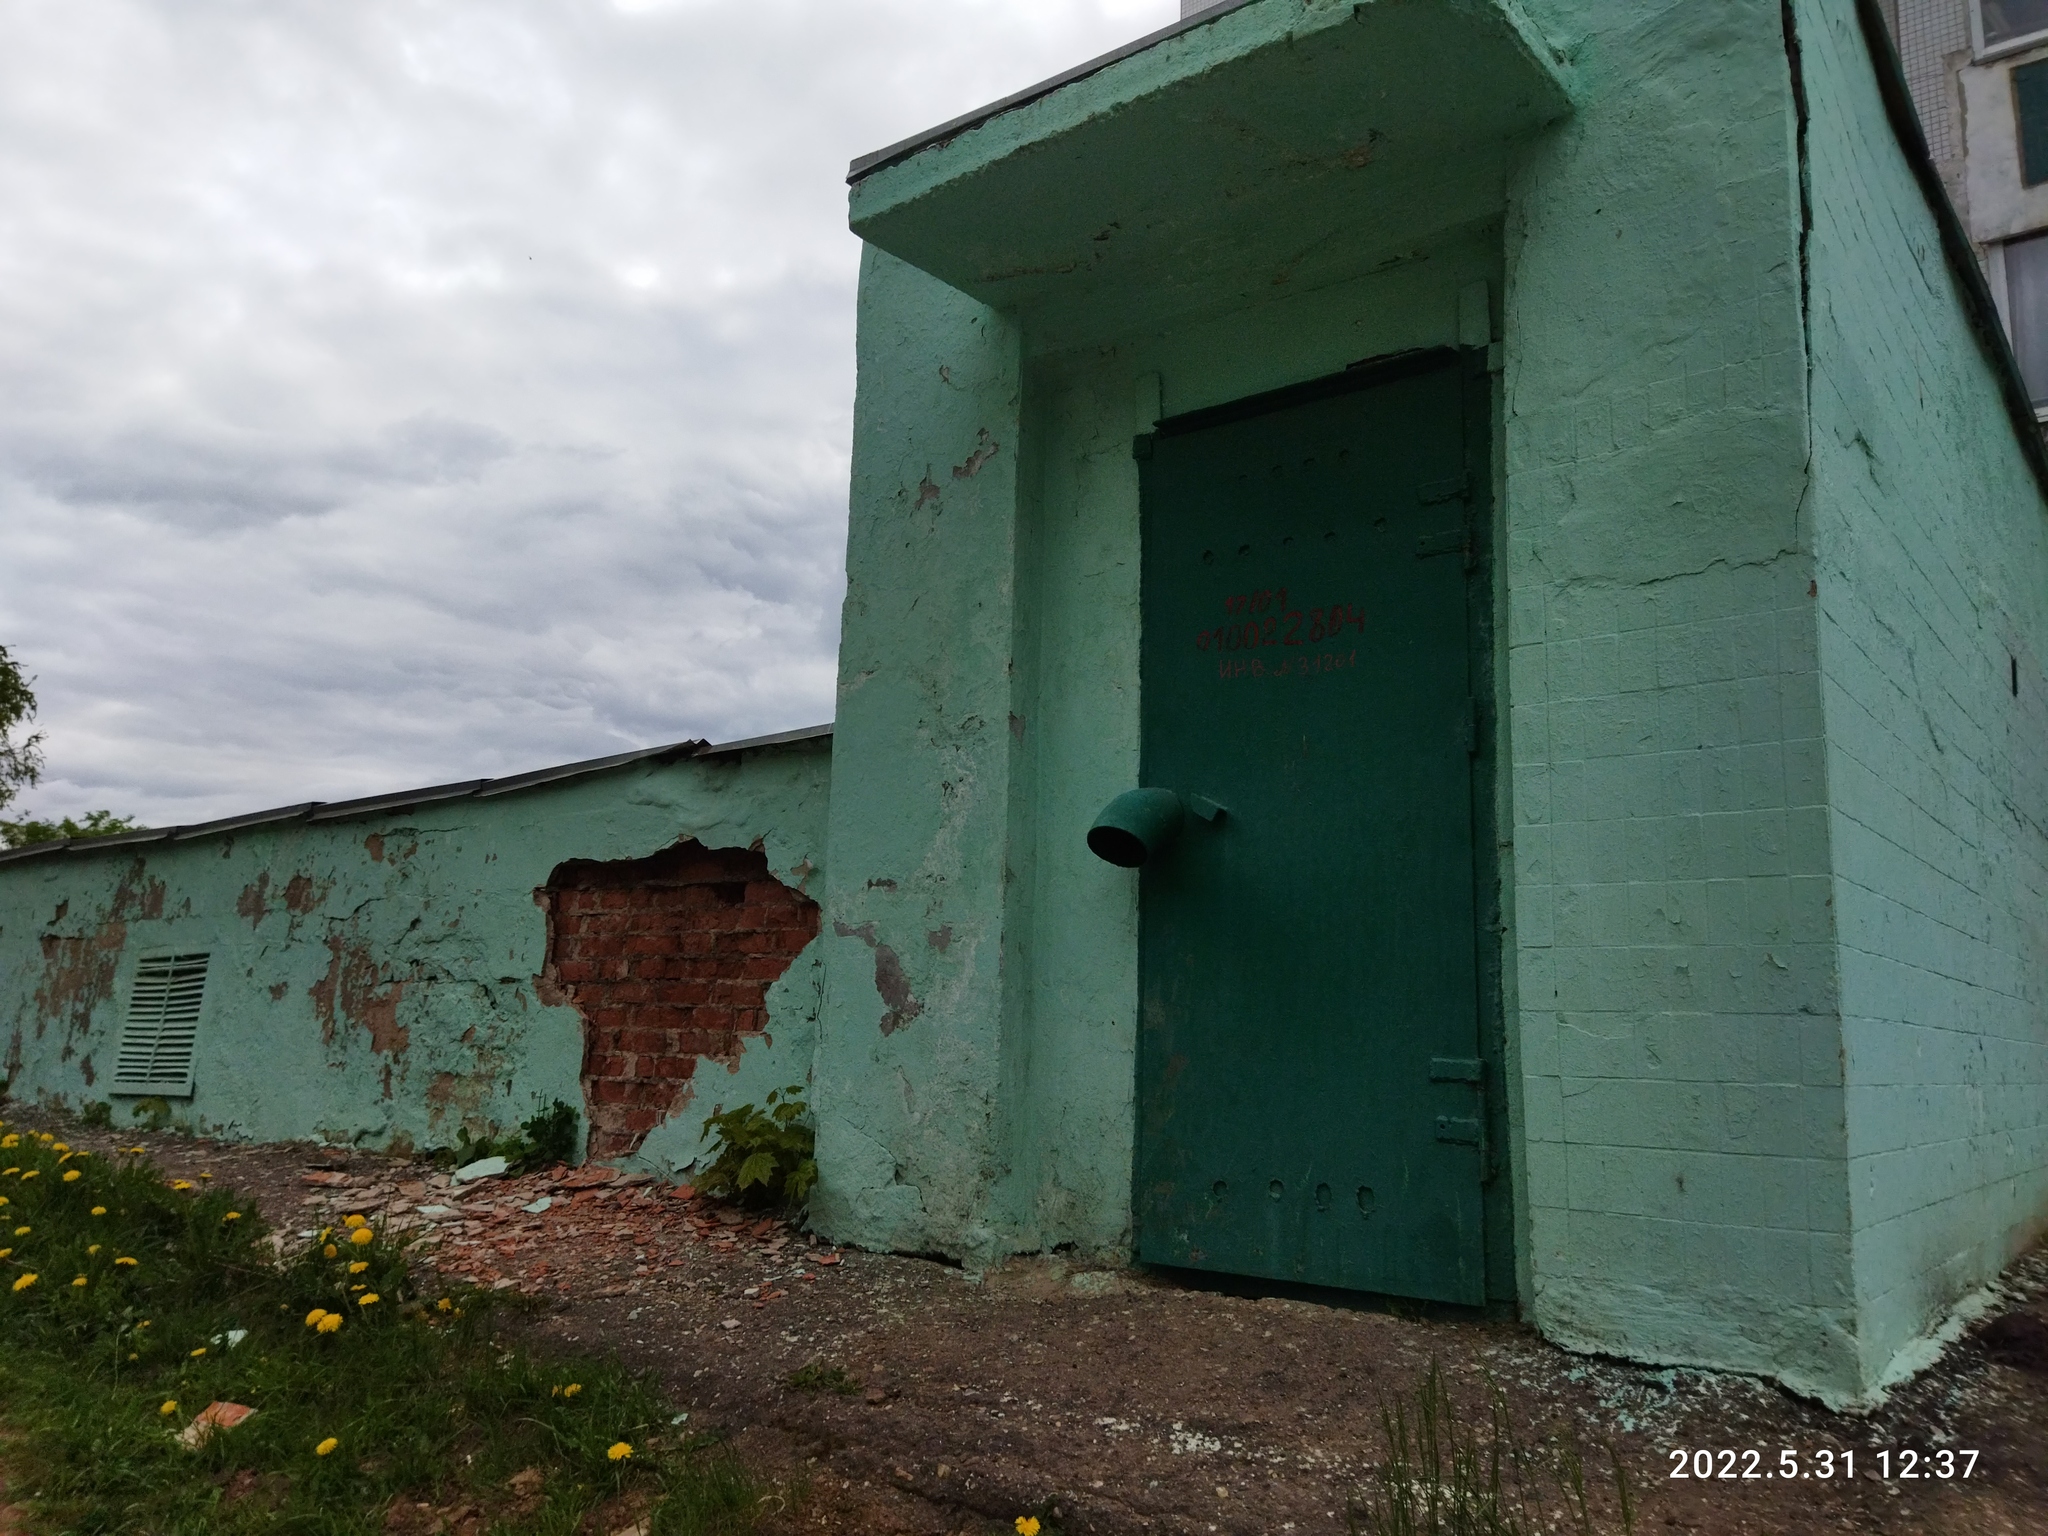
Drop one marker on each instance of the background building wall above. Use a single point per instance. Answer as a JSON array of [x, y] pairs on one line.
[[380, 980], [1932, 581]]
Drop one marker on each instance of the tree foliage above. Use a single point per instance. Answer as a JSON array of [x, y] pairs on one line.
[[21, 750]]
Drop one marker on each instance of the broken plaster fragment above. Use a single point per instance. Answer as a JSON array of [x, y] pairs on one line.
[[482, 1168]]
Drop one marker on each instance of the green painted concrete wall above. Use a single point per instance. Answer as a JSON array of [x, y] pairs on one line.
[[1672, 961], [1932, 582], [372, 979], [1710, 1051]]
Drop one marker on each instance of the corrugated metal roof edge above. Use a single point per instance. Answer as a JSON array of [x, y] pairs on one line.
[[369, 805]]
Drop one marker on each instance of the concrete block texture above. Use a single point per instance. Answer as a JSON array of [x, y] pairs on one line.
[[1931, 581], [1673, 945]]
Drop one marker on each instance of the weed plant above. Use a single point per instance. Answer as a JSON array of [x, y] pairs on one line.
[[763, 1157], [1446, 1476], [128, 1304], [541, 1141]]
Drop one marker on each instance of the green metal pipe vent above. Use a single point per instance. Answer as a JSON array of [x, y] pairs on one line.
[[1137, 825]]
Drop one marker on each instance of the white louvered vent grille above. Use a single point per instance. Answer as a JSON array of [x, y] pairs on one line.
[[162, 1025]]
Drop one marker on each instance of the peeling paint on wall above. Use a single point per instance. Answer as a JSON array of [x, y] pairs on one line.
[[890, 981]]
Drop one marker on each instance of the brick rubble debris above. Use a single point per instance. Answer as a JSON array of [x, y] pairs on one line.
[[595, 1229]]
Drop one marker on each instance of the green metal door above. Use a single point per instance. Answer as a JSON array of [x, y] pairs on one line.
[[1310, 1089]]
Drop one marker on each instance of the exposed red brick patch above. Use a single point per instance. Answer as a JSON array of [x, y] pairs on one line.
[[668, 959], [301, 895]]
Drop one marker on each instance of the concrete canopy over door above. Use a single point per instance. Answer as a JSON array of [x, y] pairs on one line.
[[1281, 140]]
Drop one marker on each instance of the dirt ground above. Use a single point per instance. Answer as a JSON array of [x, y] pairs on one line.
[[1110, 1401]]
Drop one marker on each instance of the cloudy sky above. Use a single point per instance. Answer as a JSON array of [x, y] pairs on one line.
[[399, 391]]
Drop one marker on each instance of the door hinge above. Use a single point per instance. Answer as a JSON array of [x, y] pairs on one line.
[[1465, 1130], [1458, 488]]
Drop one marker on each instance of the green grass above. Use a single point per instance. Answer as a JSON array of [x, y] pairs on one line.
[[423, 1401], [1445, 1475]]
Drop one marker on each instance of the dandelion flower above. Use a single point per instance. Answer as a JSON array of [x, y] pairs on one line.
[[80, 1282], [359, 1266], [6, 1253], [127, 1263], [1027, 1525], [206, 1176], [198, 1352], [24, 1282], [362, 1237], [331, 1323], [3, 1199], [98, 1210], [143, 1324], [352, 1222], [33, 1173], [619, 1452], [232, 1216], [572, 1389], [23, 1231], [326, 1447], [70, 1175], [329, 1252], [170, 1407], [368, 1301], [445, 1304], [313, 1317], [10, 1141], [181, 1184], [8, 1173], [95, 1248], [58, 1146]]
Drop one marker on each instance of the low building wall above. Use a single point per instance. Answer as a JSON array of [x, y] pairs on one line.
[[398, 972]]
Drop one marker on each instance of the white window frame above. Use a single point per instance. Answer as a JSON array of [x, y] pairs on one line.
[[1982, 52], [2001, 295]]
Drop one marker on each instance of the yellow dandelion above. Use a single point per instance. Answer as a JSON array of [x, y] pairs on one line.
[[33, 1173], [313, 1317], [1027, 1525], [9, 1142], [362, 1237], [572, 1389], [3, 1199], [6, 1253], [445, 1305], [368, 1301], [58, 1146], [198, 1352], [359, 1266], [127, 1263], [145, 1322], [98, 1210], [23, 1231], [8, 1173], [170, 1407], [326, 1447], [65, 1158], [95, 1248], [206, 1176], [80, 1282], [330, 1251], [70, 1175], [352, 1222], [232, 1216], [331, 1323], [24, 1282], [181, 1184], [619, 1452]]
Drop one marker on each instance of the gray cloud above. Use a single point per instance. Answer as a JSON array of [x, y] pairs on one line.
[[408, 391]]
